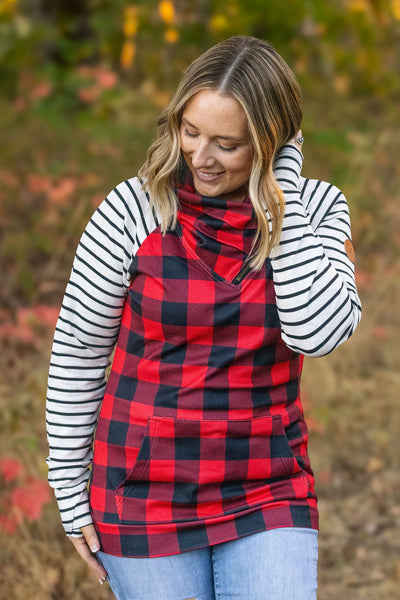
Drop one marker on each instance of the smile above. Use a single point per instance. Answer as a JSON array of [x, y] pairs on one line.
[[204, 176]]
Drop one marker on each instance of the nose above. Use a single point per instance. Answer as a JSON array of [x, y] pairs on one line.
[[201, 155]]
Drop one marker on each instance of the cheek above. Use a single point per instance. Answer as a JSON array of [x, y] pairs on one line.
[[242, 166]]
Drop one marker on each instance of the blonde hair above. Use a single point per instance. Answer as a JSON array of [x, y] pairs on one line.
[[251, 71]]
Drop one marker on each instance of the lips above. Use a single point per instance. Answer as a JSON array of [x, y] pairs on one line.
[[205, 176]]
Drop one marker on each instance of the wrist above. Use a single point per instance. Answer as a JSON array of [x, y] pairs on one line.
[[288, 164]]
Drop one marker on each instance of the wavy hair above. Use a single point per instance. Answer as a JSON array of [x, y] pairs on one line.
[[251, 71]]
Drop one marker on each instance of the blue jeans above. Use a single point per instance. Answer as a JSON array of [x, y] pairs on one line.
[[280, 564]]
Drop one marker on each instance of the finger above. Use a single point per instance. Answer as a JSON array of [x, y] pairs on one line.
[[84, 552], [93, 543], [298, 140], [91, 538]]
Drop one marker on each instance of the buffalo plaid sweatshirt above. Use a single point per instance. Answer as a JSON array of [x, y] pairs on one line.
[[200, 437]]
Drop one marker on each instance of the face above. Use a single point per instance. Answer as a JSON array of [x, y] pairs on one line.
[[215, 142]]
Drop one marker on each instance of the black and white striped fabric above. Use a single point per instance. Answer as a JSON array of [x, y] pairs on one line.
[[316, 299]]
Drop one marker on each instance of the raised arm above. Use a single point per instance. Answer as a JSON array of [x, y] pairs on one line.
[[313, 270]]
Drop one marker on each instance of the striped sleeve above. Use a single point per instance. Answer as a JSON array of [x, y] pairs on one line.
[[316, 295], [84, 339]]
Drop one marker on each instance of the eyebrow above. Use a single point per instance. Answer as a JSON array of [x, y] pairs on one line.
[[230, 138]]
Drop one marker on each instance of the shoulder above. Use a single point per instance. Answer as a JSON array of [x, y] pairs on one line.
[[128, 205], [322, 199], [130, 197]]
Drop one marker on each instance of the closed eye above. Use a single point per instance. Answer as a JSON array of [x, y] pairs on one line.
[[192, 135], [227, 149]]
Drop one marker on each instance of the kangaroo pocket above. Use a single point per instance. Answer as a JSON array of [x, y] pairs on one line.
[[188, 470]]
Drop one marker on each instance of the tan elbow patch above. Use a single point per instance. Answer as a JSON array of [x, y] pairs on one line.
[[349, 248]]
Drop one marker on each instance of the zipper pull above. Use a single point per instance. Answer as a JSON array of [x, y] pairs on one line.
[[242, 273]]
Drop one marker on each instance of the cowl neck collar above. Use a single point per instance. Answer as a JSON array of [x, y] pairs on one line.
[[219, 232]]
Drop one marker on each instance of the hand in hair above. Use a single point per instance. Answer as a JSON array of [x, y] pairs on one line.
[[298, 139]]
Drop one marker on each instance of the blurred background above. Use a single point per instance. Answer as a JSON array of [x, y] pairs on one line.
[[81, 85]]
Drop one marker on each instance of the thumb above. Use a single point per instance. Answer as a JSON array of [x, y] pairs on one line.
[[91, 538]]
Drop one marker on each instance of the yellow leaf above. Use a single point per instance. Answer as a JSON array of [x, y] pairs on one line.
[[167, 11], [128, 54], [219, 22], [130, 26], [7, 6], [171, 36], [396, 9]]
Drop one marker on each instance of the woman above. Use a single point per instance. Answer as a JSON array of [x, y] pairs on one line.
[[214, 273]]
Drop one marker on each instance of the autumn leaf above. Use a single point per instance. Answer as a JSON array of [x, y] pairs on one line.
[[41, 90], [219, 22], [23, 330], [40, 489], [128, 54], [9, 523], [10, 468], [131, 23], [23, 327], [90, 94], [105, 78], [171, 36], [396, 9], [47, 315], [60, 191], [7, 6], [167, 11], [38, 184], [29, 499], [7, 331]]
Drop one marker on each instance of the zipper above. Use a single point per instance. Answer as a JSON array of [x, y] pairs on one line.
[[242, 273]]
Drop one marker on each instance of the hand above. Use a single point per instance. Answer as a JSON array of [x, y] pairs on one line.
[[86, 546], [298, 139]]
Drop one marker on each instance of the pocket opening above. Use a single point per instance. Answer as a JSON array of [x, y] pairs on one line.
[[185, 466]]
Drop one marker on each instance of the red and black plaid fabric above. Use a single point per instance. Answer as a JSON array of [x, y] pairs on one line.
[[201, 437]]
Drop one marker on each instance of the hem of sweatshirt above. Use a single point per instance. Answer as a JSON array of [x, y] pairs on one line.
[[166, 539]]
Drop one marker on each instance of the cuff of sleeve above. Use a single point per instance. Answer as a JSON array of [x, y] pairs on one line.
[[288, 165], [81, 516], [74, 534]]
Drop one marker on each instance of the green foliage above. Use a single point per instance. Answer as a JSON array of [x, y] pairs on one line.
[[84, 80], [347, 45]]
